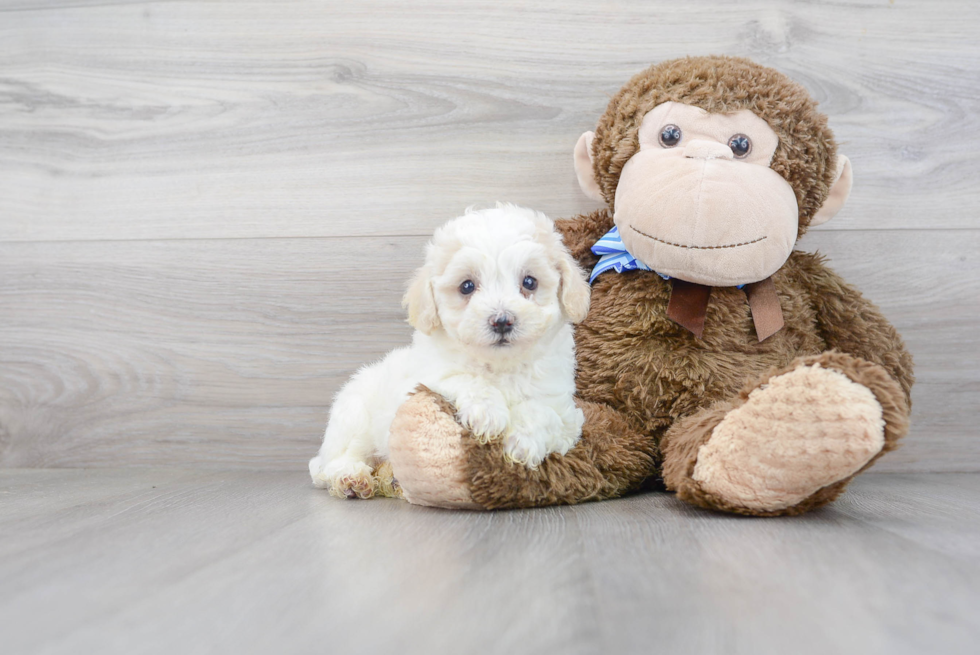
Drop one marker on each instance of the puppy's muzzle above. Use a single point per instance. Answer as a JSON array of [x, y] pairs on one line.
[[502, 324]]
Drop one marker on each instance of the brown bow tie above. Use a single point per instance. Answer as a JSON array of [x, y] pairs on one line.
[[689, 302]]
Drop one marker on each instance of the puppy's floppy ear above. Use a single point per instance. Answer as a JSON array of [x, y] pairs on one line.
[[574, 292], [420, 301]]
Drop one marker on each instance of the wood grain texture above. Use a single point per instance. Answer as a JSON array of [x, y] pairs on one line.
[[169, 561], [188, 192], [145, 120], [226, 353]]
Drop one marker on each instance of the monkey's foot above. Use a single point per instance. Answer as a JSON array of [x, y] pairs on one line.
[[799, 433], [790, 444]]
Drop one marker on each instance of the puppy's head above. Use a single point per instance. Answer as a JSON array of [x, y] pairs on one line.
[[497, 278]]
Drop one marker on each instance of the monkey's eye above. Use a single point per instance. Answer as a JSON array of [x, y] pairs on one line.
[[530, 283], [670, 136], [741, 145], [467, 287]]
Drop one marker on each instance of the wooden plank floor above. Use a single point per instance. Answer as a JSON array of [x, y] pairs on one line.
[[184, 561]]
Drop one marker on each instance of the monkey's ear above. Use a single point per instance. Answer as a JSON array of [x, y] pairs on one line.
[[838, 192], [420, 301], [583, 167]]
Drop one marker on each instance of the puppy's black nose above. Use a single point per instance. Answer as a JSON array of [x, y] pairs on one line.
[[502, 324]]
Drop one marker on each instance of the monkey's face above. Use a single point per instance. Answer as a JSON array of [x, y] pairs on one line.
[[714, 198], [699, 201]]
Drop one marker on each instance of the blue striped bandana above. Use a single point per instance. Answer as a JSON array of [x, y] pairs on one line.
[[613, 254]]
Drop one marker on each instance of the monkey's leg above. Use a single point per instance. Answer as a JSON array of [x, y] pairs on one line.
[[436, 462], [790, 442]]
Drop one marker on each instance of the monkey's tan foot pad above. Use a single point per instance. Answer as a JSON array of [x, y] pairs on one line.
[[427, 453], [800, 432]]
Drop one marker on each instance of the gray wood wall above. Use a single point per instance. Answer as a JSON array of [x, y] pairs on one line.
[[189, 193]]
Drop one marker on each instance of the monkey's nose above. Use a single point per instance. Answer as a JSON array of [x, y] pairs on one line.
[[502, 323], [704, 149]]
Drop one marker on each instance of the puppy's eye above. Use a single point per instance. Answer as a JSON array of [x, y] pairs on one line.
[[530, 283], [467, 287], [670, 136], [741, 145]]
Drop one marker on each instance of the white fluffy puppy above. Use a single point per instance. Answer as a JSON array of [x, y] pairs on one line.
[[492, 309]]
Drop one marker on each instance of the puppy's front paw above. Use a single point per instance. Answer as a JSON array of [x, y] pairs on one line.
[[486, 417], [525, 449], [537, 431], [346, 478]]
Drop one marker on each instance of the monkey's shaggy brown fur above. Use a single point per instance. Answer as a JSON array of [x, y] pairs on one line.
[[612, 459], [652, 392], [644, 377]]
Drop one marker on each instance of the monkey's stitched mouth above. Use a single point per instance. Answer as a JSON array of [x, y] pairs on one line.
[[681, 245]]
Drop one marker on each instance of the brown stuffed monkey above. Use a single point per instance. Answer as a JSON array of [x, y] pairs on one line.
[[715, 359]]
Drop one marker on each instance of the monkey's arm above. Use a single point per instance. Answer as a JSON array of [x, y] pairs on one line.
[[436, 462], [852, 324], [611, 459]]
